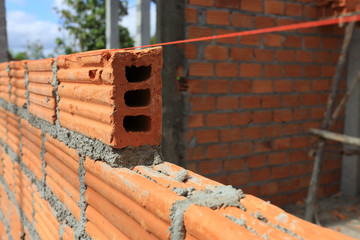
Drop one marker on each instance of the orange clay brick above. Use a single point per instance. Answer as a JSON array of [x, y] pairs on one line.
[[3, 124], [2, 229], [4, 82], [17, 81], [41, 95], [203, 223], [23, 192], [4, 203], [251, 5], [45, 221], [115, 216], [97, 222], [66, 193], [31, 140], [114, 97], [16, 225], [275, 216], [68, 233], [217, 17], [8, 171], [123, 204], [158, 201], [13, 133]]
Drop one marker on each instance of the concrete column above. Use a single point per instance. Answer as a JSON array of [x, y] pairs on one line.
[[350, 173], [142, 22], [170, 26], [112, 26], [3, 35]]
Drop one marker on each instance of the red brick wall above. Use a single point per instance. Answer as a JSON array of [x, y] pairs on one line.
[[251, 99]]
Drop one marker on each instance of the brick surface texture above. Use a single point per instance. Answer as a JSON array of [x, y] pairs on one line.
[[252, 99], [71, 167]]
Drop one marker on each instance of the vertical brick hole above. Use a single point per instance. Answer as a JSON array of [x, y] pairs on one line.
[[139, 123], [137, 98], [137, 74]]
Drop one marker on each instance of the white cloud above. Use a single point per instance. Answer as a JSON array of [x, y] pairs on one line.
[[23, 27], [19, 2], [59, 4]]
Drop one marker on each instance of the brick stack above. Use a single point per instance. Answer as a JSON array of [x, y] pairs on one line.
[[252, 99]]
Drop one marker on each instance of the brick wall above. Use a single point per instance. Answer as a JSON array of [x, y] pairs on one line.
[[250, 100], [73, 167]]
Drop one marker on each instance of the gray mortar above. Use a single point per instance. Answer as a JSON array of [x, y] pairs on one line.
[[259, 216], [181, 175], [185, 192], [32, 205], [55, 85], [219, 196], [177, 228], [82, 203], [20, 138], [43, 162], [27, 86], [158, 158], [242, 222], [282, 217], [285, 230], [61, 231]]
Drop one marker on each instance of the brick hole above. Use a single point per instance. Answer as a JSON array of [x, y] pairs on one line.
[[139, 123], [137, 74], [92, 74], [137, 98]]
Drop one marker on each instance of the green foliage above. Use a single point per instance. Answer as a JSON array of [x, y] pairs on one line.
[[20, 56], [85, 21], [153, 39]]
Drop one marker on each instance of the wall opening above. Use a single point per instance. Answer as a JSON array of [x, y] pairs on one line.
[[139, 123], [137, 74], [137, 98]]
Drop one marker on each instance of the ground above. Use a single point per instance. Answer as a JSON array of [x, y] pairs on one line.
[[338, 212]]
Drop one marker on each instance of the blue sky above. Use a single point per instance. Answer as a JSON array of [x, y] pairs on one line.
[[36, 20]]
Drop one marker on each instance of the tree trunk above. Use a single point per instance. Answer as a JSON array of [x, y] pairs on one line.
[[3, 36]]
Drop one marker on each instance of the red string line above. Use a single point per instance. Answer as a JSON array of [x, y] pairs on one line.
[[324, 22], [317, 23]]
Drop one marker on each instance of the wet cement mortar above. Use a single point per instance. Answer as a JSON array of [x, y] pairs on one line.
[[219, 196]]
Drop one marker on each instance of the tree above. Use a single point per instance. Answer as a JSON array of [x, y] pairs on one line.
[[34, 50], [85, 21]]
